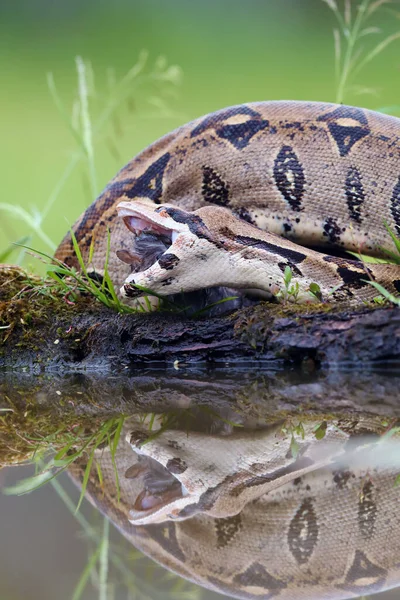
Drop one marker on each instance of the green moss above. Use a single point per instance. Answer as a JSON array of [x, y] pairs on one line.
[[28, 301]]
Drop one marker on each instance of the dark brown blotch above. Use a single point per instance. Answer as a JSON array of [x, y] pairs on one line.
[[331, 230], [214, 189], [295, 270], [165, 535], [345, 136], [240, 134], [354, 193], [367, 509], [226, 529], [395, 206], [149, 185], [131, 291], [245, 215], [167, 281], [256, 575], [289, 177], [168, 261], [363, 577], [287, 253], [303, 532], [176, 465], [214, 119]]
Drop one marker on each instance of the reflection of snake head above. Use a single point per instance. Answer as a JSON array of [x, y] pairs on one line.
[[210, 247]]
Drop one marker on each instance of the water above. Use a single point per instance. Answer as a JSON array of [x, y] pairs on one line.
[[218, 493]]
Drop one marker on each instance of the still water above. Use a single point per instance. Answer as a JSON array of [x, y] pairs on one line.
[[241, 482]]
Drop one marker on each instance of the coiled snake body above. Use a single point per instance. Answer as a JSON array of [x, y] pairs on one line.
[[241, 515], [317, 174]]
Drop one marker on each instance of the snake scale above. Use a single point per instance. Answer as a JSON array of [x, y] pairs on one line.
[[243, 515], [231, 182]]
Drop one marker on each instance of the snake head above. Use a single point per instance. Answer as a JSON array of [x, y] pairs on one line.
[[202, 254]]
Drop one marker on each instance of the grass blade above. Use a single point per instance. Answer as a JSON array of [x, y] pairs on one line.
[[83, 580]]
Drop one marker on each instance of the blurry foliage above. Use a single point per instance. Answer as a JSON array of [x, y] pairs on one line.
[[94, 115], [351, 55]]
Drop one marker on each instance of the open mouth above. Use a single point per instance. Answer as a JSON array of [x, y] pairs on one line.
[[154, 233], [140, 218], [160, 487]]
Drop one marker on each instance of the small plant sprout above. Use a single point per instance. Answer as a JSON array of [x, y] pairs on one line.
[[291, 291]]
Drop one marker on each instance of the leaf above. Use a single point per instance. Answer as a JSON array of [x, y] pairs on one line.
[[315, 290], [369, 31], [377, 50], [338, 52], [294, 447], [61, 109], [28, 484], [287, 276], [347, 12], [8, 251], [373, 7], [384, 292], [395, 239], [320, 430], [332, 5]]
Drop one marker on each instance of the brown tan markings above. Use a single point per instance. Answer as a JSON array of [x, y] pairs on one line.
[[347, 125], [149, 185], [303, 532], [240, 134], [354, 274], [168, 261], [367, 509], [214, 189], [332, 230], [227, 529], [165, 535], [286, 253], [246, 157], [289, 177], [395, 206], [214, 119], [363, 576], [176, 465], [355, 194], [257, 576]]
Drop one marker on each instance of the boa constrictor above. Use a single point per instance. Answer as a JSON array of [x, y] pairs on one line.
[[319, 174], [245, 516]]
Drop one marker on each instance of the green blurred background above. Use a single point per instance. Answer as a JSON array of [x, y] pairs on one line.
[[229, 52]]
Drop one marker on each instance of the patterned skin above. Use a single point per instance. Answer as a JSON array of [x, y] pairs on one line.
[[318, 174]]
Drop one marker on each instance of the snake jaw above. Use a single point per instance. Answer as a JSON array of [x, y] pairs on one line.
[[139, 217]]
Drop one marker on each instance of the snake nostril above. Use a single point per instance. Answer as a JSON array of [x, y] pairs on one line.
[[130, 290]]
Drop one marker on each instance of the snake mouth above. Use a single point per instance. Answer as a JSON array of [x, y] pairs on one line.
[[160, 488], [154, 233], [140, 218]]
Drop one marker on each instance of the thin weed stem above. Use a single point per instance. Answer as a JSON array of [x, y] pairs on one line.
[[87, 139]]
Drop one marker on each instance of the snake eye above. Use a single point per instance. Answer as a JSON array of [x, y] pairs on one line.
[[162, 209]]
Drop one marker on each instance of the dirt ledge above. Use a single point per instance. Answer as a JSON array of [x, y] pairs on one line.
[[41, 332]]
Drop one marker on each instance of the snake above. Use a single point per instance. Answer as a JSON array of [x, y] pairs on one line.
[[244, 515], [236, 197]]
